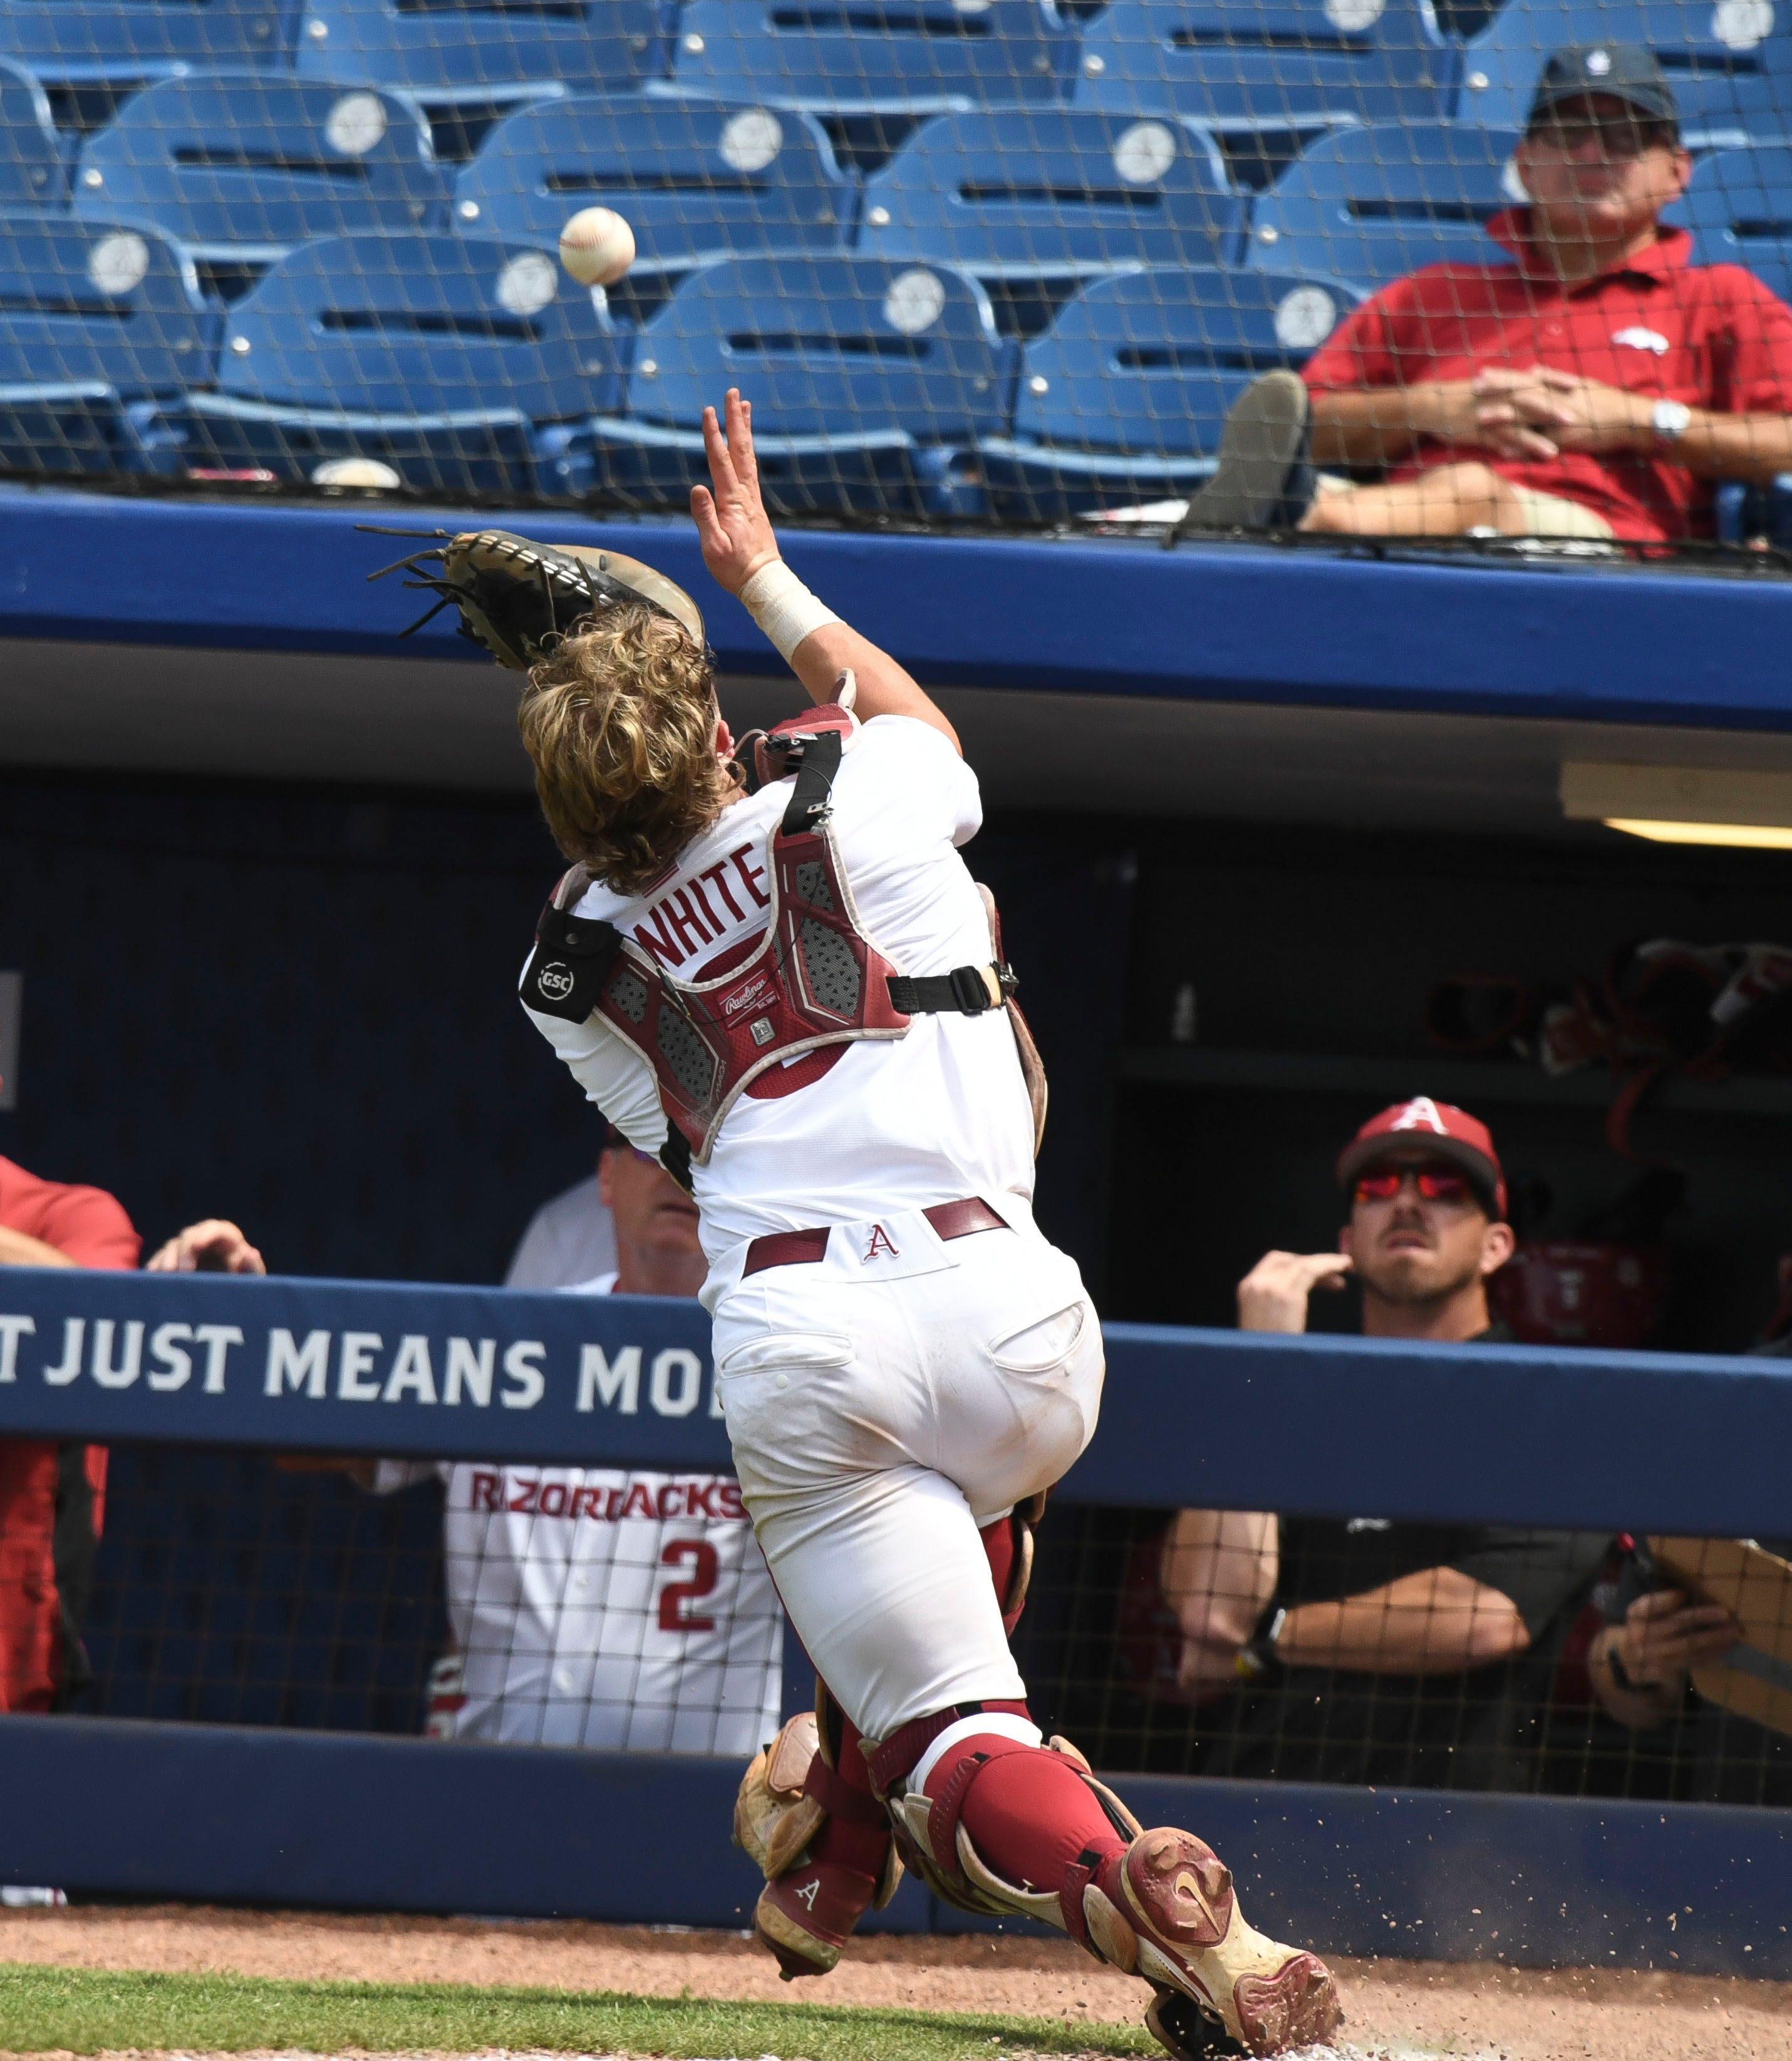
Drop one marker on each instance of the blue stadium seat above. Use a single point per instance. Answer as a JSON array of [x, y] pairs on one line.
[[1124, 398], [239, 167], [98, 320], [1039, 192], [866, 380], [486, 53], [1730, 63], [916, 57], [696, 181], [1739, 209], [32, 172], [1284, 64], [122, 44], [433, 355], [1371, 205]]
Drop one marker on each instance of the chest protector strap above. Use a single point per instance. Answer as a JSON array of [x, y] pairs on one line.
[[812, 980]]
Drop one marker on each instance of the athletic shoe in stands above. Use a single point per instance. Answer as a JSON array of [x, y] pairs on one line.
[[1122, 402], [1264, 480]]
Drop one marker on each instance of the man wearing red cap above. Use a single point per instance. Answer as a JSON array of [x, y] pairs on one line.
[[1424, 1268], [1363, 1650]]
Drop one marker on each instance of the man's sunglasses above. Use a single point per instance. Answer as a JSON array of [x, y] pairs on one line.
[[1617, 139], [1435, 1184]]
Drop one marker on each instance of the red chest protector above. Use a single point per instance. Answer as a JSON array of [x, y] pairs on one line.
[[813, 980]]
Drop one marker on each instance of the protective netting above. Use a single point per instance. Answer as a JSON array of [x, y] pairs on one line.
[[995, 259], [1413, 1655], [630, 1608], [602, 1607]]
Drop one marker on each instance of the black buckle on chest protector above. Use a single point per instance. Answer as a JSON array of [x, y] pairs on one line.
[[964, 991], [566, 969]]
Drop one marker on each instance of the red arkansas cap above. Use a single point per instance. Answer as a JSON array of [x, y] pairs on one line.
[[1446, 1131]]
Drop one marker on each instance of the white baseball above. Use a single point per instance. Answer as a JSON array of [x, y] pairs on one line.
[[597, 246]]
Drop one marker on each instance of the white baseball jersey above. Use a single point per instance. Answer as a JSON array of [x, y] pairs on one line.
[[851, 1141], [569, 1239], [603, 1606]]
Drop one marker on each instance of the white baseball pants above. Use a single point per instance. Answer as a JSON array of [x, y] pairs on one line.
[[884, 1402]]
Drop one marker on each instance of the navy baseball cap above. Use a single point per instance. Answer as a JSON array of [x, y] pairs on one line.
[[1622, 71]]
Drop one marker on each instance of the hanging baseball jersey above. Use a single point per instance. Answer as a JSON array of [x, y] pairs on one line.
[[603, 1606]]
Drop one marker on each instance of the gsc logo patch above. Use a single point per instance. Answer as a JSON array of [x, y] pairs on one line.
[[555, 981]]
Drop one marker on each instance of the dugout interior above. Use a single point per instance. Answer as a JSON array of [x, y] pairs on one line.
[[312, 860]]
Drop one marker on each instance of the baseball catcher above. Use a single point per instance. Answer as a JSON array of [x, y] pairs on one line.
[[769, 966]]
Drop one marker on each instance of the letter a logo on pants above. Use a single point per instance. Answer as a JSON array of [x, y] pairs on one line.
[[881, 1243]]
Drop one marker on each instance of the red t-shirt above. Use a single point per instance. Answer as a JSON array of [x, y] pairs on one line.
[[92, 1229], [86, 1223], [1710, 335]]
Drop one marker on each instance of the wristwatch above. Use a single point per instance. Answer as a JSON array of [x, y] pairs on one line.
[[1669, 420], [1258, 1660]]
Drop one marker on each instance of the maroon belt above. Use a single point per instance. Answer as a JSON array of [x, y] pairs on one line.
[[800, 1248]]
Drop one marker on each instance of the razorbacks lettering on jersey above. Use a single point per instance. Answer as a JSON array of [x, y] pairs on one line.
[[601, 1607], [830, 1137]]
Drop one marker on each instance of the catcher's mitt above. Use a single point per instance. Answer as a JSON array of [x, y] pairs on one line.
[[516, 599]]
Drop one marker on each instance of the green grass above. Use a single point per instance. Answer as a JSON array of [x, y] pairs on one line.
[[84, 2011]]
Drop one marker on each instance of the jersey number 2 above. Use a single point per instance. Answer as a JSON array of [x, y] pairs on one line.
[[674, 1616]]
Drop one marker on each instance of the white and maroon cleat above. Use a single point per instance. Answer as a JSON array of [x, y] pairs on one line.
[[1165, 1910]]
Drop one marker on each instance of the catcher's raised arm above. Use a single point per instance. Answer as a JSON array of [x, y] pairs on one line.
[[518, 599], [742, 554]]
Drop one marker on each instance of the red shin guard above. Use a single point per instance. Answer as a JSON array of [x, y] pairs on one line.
[[1030, 1814]]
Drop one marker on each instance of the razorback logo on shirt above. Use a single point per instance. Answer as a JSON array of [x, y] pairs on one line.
[[718, 1501]]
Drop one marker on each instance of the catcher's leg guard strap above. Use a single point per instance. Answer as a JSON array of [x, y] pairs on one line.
[[840, 1800], [898, 1755]]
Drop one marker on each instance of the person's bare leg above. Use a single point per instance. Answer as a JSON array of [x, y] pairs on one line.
[[1444, 502]]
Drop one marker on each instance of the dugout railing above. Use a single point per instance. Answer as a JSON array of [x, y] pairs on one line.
[[1587, 1439]]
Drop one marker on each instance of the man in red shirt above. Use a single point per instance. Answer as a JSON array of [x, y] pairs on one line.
[[52, 1496], [1593, 385]]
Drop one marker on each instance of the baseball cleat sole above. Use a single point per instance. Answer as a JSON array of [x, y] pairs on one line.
[[1183, 2029], [1178, 1925]]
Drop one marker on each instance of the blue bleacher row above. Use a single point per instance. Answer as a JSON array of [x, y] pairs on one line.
[[1303, 64], [397, 313]]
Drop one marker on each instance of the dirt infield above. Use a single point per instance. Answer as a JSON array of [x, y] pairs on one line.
[[1397, 2007]]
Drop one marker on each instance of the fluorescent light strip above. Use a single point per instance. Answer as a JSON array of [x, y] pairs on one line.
[[1760, 837]]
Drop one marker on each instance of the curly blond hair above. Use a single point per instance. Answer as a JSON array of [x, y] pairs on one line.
[[620, 719]]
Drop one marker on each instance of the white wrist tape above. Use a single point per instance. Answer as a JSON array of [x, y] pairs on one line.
[[783, 607]]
